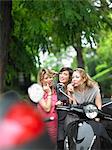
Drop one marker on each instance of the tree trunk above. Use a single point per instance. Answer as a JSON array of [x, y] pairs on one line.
[[77, 44], [5, 27], [80, 60]]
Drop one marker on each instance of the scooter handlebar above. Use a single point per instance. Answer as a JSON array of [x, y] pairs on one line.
[[71, 108]]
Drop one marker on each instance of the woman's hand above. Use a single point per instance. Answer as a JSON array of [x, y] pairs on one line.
[[70, 91], [58, 103], [47, 88], [97, 119], [70, 88]]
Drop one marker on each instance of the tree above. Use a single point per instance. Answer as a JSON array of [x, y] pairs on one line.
[[5, 30], [75, 21], [51, 26], [104, 67], [99, 64]]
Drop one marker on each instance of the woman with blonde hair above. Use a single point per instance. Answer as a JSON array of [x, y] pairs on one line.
[[84, 89], [46, 105]]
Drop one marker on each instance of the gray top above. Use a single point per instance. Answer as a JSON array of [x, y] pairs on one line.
[[88, 95]]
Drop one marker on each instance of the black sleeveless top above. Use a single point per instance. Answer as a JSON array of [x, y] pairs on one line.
[[60, 96], [63, 98]]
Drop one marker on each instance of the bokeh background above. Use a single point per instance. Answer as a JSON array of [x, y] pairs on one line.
[[53, 34]]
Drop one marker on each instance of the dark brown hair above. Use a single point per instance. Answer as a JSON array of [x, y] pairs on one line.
[[70, 70]]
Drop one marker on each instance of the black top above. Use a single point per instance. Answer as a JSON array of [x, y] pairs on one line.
[[60, 96], [63, 98]]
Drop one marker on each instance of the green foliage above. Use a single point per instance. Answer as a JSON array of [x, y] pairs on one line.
[[91, 61], [41, 26], [101, 67], [105, 49], [101, 76], [104, 68], [98, 62]]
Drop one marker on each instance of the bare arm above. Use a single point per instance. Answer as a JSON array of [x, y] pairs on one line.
[[98, 101], [46, 105]]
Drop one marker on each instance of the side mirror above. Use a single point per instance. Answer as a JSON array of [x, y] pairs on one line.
[[35, 92], [91, 111]]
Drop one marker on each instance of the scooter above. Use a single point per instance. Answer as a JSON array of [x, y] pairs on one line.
[[82, 131]]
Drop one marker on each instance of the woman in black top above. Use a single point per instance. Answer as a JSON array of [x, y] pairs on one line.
[[64, 78]]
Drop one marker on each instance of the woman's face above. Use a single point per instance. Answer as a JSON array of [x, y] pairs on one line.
[[77, 79], [64, 77], [47, 80]]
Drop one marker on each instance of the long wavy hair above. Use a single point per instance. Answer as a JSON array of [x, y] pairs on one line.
[[42, 72], [88, 81]]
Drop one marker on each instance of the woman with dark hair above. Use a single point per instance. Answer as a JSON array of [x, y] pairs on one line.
[[64, 78]]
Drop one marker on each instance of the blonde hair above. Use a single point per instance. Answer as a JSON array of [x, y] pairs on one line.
[[42, 72], [89, 82]]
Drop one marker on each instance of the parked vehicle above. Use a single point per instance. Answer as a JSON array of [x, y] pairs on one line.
[[82, 131]]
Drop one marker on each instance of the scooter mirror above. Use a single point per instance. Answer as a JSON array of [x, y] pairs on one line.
[[35, 92], [91, 111]]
